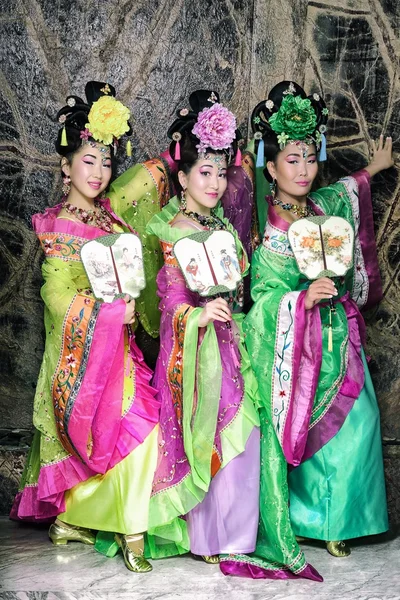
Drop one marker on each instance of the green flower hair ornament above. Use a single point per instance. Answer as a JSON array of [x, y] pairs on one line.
[[283, 139], [295, 118]]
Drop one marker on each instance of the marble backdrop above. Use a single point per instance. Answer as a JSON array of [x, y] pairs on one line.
[[155, 54]]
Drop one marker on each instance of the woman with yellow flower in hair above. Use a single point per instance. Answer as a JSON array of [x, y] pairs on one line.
[[94, 452]]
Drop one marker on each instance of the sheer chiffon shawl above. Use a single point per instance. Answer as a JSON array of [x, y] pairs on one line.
[[207, 389], [93, 402]]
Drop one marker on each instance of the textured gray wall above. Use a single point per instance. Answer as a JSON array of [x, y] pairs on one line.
[[155, 53]]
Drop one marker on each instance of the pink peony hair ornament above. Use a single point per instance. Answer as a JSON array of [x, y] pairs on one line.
[[215, 128]]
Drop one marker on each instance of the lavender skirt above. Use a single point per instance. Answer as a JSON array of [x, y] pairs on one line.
[[226, 521]]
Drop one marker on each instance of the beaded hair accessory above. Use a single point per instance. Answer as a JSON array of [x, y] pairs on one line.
[[87, 142]]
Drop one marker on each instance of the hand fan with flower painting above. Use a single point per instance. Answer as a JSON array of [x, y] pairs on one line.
[[322, 246]]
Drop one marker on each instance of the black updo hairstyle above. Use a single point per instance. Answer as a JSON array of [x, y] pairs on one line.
[[261, 114], [183, 125], [74, 116]]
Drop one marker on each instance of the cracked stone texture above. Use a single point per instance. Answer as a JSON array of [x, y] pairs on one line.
[[155, 54]]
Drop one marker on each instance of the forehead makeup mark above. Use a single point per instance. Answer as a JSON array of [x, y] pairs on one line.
[[219, 168], [218, 159], [304, 148], [100, 147]]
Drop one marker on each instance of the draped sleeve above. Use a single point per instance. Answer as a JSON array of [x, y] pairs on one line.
[[93, 403], [238, 203], [84, 347], [136, 196], [351, 198], [283, 339]]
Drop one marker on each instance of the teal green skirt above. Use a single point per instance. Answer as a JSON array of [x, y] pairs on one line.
[[339, 493]]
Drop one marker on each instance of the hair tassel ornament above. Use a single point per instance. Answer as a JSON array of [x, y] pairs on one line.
[[177, 138], [129, 148], [64, 141], [260, 153], [238, 158], [322, 151], [177, 151]]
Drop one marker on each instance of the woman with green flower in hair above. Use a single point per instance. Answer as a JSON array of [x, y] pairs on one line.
[[319, 399]]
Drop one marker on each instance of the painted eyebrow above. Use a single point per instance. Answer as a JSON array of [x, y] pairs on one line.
[[211, 166], [299, 155], [94, 157]]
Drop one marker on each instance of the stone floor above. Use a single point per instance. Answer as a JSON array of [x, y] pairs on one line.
[[31, 568]]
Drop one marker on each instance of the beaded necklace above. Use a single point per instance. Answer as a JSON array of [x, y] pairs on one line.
[[300, 211], [97, 217], [208, 221]]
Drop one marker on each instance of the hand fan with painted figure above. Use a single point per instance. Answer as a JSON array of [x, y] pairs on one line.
[[209, 262], [114, 266]]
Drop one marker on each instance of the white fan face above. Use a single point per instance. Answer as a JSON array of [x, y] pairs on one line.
[[209, 265], [307, 245], [115, 267]]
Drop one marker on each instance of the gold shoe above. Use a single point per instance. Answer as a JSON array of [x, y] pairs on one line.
[[61, 533], [134, 560], [211, 560], [338, 549], [300, 539]]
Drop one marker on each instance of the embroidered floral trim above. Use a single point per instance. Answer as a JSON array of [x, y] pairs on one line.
[[281, 389], [61, 245], [84, 358], [161, 183], [169, 258], [276, 241], [77, 336], [175, 363]]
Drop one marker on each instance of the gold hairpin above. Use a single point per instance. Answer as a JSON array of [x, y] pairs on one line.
[[106, 89]]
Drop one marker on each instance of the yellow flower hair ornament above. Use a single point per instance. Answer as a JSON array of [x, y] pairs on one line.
[[108, 120]]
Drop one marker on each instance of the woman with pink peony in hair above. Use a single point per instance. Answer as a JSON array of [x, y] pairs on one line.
[[208, 463]]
